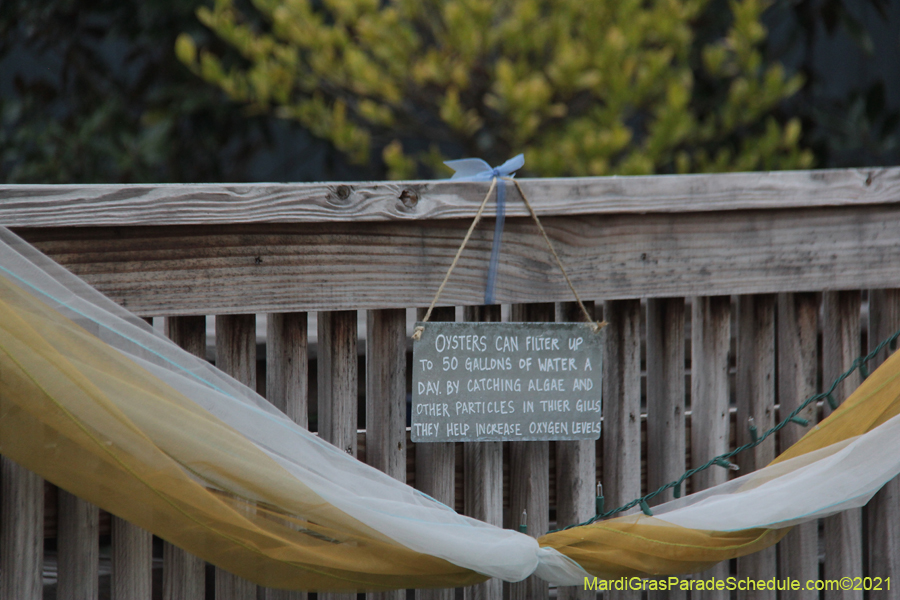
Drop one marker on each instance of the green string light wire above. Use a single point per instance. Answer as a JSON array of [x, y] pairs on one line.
[[723, 459]]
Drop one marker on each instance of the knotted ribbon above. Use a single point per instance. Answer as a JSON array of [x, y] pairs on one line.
[[475, 169]]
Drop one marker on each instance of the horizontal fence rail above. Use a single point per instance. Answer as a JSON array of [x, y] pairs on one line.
[[728, 296], [111, 205]]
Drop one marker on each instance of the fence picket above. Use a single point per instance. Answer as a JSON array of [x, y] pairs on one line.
[[436, 466], [756, 400], [21, 532], [236, 356], [386, 401], [665, 400], [798, 367], [132, 561], [529, 475], [184, 575], [483, 486], [621, 435], [576, 470], [840, 347], [287, 387], [883, 511], [665, 394], [78, 545], [337, 381], [287, 365], [710, 340], [131, 558]]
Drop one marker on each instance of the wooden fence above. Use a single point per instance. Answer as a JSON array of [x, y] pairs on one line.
[[728, 296]]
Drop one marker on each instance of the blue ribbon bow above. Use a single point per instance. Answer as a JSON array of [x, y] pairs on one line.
[[475, 169]]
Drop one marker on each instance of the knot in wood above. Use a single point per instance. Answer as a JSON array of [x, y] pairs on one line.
[[409, 198], [342, 192]]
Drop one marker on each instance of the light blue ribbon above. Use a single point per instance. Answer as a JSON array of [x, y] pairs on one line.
[[475, 169]]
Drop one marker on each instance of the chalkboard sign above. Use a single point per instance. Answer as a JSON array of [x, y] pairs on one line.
[[478, 382]]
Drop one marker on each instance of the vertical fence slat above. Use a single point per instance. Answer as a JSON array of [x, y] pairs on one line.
[[756, 400], [883, 510], [666, 444], [132, 561], [21, 532], [665, 394], [236, 356], [132, 558], [529, 475], [184, 575], [483, 468], [337, 381], [287, 387], [710, 340], [78, 545], [576, 470], [840, 347], [798, 366], [386, 400], [287, 365], [621, 432], [436, 466]]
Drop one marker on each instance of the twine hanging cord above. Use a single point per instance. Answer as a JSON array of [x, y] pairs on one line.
[[596, 326]]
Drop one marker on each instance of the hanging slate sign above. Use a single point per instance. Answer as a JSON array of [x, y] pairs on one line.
[[479, 382]]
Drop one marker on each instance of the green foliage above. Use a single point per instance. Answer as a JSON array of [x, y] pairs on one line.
[[850, 117], [582, 88], [92, 92]]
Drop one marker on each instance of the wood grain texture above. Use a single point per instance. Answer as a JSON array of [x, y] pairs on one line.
[[621, 432], [483, 476], [117, 204], [78, 545], [335, 266], [529, 475], [287, 365], [386, 401], [840, 347], [236, 356], [576, 470], [665, 394], [132, 561], [882, 513], [337, 381], [21, 532], [287, 387], [710, 341], [756, 400], [436, 467], [798, 368], [184, 575], [386, 391]]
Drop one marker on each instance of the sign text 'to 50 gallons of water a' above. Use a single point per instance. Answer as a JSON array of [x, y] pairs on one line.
[[476, 382]]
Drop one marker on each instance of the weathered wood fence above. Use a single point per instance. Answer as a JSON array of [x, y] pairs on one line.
[[756, 288]]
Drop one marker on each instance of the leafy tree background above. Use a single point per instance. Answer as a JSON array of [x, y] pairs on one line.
[[92, 91], [582, 88]]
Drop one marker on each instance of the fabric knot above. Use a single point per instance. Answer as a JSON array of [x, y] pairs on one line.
[[475, 169]]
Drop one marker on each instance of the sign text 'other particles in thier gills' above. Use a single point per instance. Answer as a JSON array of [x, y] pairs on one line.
[[479, 382]]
